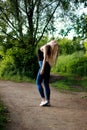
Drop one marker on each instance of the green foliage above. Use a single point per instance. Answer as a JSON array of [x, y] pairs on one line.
[[71, 83], [43, 41], [34, 18], [74, 64], [79, 66], [27, 17], [26, 61], [3, 116], [85, 45], [69, 46], [22, 25], [6, 62], [78, 25], [19, 61], [81, 26], [66, 46]]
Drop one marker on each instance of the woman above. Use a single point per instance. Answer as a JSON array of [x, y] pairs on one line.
[[47, 56]]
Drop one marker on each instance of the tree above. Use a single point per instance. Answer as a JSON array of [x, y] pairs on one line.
[[24, 22], [31, 17], [81, 26], [78, 24]]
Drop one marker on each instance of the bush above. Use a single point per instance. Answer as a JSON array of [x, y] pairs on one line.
[[79, 66], [74, 64], [6, 64], [3, 116], [19, 61]]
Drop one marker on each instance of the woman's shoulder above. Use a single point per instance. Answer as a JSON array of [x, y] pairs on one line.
[[42, 48]]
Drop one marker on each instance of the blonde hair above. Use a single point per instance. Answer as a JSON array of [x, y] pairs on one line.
[[52, 56]]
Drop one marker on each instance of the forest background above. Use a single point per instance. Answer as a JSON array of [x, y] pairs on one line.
[[25, 25]]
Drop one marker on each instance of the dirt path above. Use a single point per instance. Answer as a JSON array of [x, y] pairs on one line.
[[68, 111]]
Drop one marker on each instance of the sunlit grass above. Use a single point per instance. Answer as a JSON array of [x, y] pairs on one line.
[[71, 83], [18, 78]]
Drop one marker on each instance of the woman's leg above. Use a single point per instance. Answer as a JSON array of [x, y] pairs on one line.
[[47, 88], [39, 82], [39, 86], [46, 81]]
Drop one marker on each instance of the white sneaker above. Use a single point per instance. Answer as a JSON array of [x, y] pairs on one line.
[[43, 103]]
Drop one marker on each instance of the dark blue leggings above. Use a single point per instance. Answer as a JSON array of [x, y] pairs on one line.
[[44, 78]]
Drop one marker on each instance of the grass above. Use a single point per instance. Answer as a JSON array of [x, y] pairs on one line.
[[17, 78], [3, 116], [67, 83], [71, 83]]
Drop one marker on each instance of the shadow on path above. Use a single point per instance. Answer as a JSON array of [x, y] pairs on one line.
[[54, 78]]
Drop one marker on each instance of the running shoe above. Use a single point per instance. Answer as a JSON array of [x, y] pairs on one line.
[[43, 103]]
